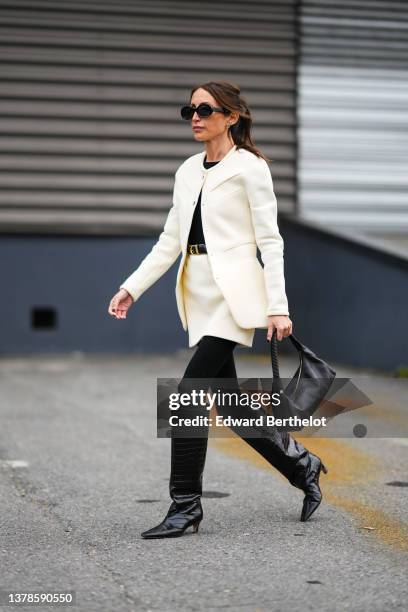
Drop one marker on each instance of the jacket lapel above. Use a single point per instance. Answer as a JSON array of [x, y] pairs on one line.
[[222, 171], [196, 176]]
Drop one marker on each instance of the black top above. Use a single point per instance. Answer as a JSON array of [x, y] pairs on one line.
[[196, 235]]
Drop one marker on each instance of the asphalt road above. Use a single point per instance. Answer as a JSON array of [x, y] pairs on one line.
[[82, 473]]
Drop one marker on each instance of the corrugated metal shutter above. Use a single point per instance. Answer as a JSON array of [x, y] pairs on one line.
[[90, 96], [353, 114]]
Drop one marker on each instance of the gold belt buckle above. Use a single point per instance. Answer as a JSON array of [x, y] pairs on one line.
[[194, 249]]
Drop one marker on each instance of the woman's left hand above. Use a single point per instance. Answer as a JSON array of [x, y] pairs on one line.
[[282, 324]]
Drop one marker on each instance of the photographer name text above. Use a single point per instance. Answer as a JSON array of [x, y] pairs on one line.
[[260, 421]]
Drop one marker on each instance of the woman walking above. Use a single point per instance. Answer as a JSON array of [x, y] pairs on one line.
[[224, 207]]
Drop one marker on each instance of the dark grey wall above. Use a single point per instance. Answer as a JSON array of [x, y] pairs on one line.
[[347, 300], [75, 277], [348, 297]]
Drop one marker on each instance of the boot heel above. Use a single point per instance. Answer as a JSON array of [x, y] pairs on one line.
[[196, 526], [324, 468]]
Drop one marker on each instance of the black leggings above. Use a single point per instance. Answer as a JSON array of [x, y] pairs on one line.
[[214, 358]]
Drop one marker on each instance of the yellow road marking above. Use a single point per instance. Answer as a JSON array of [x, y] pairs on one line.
[[348, 469]]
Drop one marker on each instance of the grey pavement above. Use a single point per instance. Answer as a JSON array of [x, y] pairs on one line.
[[82, 473]]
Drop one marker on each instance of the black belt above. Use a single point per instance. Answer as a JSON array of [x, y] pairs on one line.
[[196, 249]]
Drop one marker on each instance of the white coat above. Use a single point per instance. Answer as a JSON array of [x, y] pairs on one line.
[[239, 213]]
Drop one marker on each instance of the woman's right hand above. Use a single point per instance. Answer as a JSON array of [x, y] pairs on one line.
[[120, 304]]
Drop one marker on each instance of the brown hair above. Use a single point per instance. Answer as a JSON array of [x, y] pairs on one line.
[[229, 97]]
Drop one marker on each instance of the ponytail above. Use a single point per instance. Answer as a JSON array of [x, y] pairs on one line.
[[229, 97]]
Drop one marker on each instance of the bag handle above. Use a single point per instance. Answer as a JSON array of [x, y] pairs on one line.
[[274, 356]]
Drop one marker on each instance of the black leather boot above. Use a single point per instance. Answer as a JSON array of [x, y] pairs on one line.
[[188, 457], [309, 482], [287, 455], [296, 463]]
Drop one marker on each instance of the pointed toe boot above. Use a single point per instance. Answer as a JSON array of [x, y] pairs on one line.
[[290, 458], [313, 494], [180, 516], [188, 457]]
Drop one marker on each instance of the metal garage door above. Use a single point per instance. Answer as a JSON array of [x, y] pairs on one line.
[[90, 96], [353, 101]]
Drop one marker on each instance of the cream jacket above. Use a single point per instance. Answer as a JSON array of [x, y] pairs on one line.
[[239, 213]]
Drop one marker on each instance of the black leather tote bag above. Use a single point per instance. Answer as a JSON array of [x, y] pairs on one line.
[[308, 387]]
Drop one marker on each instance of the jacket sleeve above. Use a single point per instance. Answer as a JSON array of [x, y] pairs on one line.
[[264, 211], [161, 257]]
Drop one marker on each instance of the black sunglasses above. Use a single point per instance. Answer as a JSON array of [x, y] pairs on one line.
[[203, 110]]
